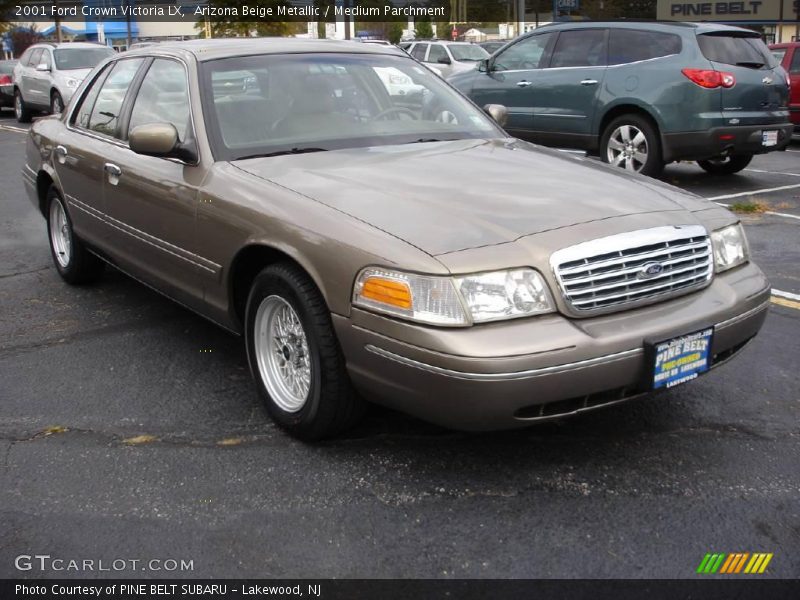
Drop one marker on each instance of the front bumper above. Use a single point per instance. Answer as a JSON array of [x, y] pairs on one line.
[[513, 373], [702, 145]]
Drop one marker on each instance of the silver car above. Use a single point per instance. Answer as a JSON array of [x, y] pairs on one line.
[[448, 58], [48, 74]]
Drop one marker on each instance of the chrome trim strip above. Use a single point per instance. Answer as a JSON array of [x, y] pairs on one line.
[[158, 243], [410, 362], [745, 315]]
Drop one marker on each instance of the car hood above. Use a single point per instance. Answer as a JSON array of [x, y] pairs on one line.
[[79, 74], [448, 196]]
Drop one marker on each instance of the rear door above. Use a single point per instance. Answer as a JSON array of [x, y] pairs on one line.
[[566, 91], [761, 94], [29, 76], [40, 80], [793, 66]]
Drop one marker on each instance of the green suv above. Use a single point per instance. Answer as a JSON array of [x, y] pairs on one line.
[[641, 95]]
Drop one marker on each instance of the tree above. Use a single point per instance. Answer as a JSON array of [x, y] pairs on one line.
[[423, 30], [228, 26], [395, 32]]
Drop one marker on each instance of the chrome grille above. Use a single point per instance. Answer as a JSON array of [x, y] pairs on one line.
[[633, 268]]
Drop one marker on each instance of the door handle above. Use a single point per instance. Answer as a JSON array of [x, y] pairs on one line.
[[112, 169], [524, 83], [61, 154], [589, 82], [114, 173]]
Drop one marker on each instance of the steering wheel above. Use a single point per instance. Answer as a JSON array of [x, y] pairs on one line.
[[395, 109]]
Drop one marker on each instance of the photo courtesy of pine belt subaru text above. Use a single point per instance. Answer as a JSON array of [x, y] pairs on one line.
[[301, 193]]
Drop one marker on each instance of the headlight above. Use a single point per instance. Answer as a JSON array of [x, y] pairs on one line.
[[72, 83], [453, 301], [730, 247]]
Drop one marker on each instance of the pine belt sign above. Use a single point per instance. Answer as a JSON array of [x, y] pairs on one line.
[[726, 10]]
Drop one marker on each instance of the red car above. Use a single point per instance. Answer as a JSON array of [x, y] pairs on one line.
[[789, 56]]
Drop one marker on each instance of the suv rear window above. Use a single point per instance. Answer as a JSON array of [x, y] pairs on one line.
[[630, 45], [744, 51]]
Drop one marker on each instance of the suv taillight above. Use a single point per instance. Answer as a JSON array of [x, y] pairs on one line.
[[710, 79], [5, 79]]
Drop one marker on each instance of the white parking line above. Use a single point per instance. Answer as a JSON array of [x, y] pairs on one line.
[[15, 129], [785, 215], [786, 295], [773, 172], [754, 192]]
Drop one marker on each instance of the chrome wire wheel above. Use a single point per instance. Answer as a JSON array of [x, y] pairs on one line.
[[60, 234], [282, 353], [627, 148]]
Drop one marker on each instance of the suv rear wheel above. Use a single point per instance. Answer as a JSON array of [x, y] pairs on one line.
[[727, 165], [631, 142], [22, 112]]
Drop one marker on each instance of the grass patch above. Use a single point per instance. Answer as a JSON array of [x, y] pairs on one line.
[[749, 207]]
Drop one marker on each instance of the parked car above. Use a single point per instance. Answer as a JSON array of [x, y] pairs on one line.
[[48, 74], [493, 46], [788, 55], [316, 217], [7, 83], [641, 94], [448, 58]]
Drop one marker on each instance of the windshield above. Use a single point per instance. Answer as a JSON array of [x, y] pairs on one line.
[[313, 102], [736, 49], [7, 67], [468, 52], [80, 58]]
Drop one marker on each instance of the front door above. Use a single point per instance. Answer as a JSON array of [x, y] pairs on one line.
[[153, 200], [512, 80]]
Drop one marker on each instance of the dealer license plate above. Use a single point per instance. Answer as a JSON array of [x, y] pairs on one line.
[[769, 138], [682, 359]]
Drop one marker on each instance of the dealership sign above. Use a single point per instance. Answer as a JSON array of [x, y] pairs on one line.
[[721, 10]]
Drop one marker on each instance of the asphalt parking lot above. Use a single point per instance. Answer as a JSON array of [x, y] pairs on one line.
[[129, 428]]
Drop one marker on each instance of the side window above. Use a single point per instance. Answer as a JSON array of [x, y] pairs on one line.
[[628, 45], [525, 54], [163, 97], [45, 58], [436, 53], [106, 111], [36, 55], [580, 48], [81, 116], [795, 66], [419, 51], [25, 58]]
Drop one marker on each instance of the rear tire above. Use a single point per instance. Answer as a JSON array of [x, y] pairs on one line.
[[631, 142], [73, 261], [726, 166], [295, 357], [21, 110]]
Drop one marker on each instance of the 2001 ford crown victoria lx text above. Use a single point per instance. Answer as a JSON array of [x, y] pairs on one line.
[[398, 248]]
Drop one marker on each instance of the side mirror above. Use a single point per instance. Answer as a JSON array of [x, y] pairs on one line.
[[444, 60], [161, 139], [498, 112], [483, 65], [42, 67]]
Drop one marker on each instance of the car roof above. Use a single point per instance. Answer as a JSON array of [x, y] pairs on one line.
[[785, 45], [205, 50], [62, 45], [699, 27]]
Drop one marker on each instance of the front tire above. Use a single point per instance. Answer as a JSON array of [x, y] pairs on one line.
[[295, 358], [631, 142], [726, 166], [21, 110], [56, 103], [73, 261]]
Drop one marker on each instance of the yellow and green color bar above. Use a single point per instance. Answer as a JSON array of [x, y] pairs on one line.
[[735, 562]]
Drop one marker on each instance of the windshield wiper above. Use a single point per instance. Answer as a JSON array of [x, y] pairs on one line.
[[282, 152], [751, 65]]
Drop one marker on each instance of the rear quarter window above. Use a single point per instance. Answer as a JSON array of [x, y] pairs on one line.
[[795, 66], [628, 45], [736, 50]]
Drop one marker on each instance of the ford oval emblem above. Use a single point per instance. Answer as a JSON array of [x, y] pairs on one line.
[[767, 80], [651, 270]]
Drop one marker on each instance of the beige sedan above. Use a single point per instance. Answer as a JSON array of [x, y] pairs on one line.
[[400, 249]]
